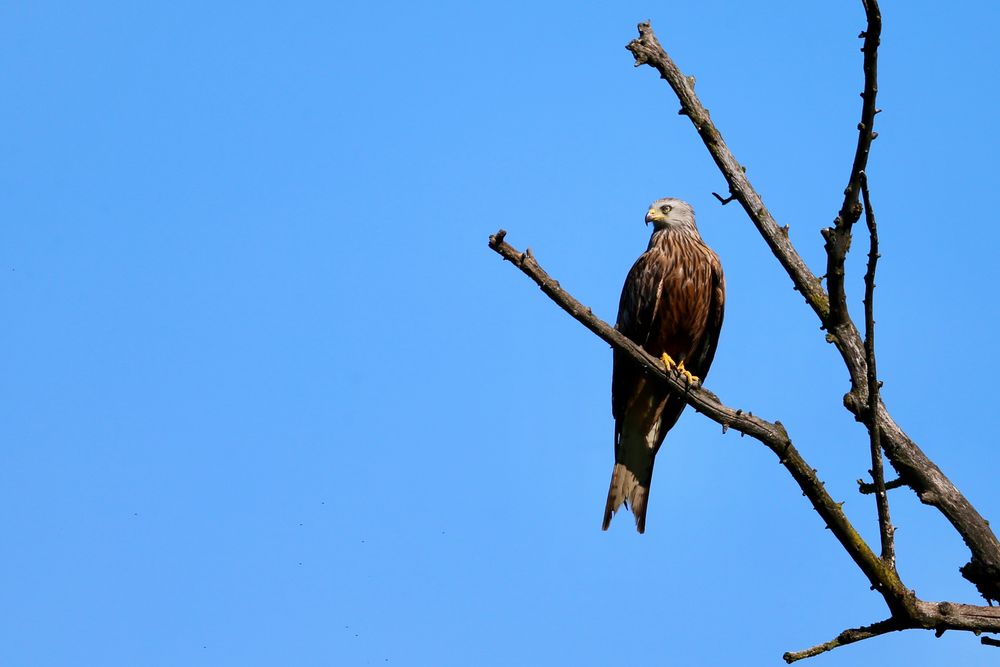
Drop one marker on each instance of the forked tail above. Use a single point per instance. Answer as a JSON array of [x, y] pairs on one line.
[[627, 489]]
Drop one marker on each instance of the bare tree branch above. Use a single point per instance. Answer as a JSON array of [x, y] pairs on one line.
[[941, 616], [847, 637], [878, 476], [914, 468]]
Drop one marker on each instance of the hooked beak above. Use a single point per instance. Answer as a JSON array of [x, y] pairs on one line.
[[651, 215]]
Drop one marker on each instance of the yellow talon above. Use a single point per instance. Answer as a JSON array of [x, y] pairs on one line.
[[692, 379], [668, 362]]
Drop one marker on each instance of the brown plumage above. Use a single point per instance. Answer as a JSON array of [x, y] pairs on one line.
[[672, 302]]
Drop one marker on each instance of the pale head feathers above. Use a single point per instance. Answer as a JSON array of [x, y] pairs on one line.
[[671, 213]]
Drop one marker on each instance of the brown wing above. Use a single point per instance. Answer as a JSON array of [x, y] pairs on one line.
[[636, 311]]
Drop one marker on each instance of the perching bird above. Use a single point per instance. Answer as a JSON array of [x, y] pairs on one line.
[[672, 305]]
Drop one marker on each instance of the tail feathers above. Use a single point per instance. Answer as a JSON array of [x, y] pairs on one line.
[[628, 490]]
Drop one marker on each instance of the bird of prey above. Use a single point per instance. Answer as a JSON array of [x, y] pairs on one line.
[[672, 306]]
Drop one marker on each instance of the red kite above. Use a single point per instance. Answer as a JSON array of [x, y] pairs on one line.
[[672, 305]]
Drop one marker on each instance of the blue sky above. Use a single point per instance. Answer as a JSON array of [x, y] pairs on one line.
[[268, 398]]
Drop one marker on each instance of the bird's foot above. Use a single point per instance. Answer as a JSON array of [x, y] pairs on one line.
[[692, 379], [668, 362]]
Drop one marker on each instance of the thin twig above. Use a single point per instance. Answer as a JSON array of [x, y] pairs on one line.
[[868, 489], [847, 637], [878, 476]]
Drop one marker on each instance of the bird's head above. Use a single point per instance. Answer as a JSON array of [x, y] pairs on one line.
[[669, 212]]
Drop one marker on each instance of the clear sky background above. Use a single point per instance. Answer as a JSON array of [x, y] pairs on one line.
[[267, 398]]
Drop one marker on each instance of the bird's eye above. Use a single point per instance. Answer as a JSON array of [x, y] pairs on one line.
[[666, 208]]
